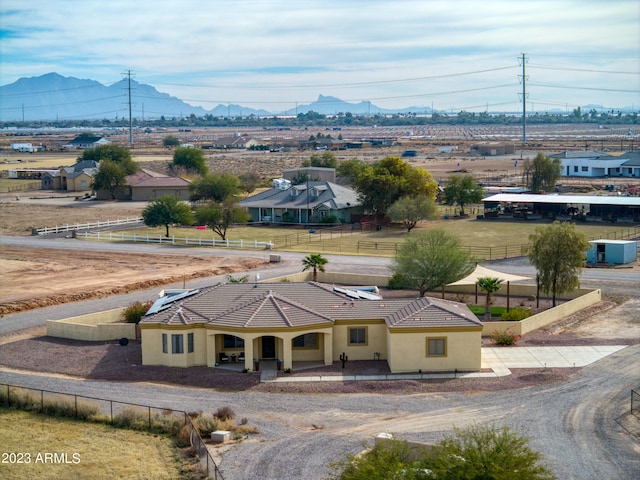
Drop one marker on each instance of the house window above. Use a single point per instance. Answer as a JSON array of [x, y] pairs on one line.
[[358, 336], [177, 343], [190, 342], [164, 343], [308, 340], [83, 184], [436, 347], [585, 169], [231, 341], [575, 168]]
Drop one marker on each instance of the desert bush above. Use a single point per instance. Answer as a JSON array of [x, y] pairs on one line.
[[224, 413], [505, 338], [246, 430], [206, 424], [132, 419], [516, 314], [134, 312]]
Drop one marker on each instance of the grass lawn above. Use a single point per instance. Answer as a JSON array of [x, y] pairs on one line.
[[485, 239], [99, 451], [478, 311]]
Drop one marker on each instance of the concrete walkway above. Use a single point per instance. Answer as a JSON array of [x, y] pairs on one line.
[[499, 360]]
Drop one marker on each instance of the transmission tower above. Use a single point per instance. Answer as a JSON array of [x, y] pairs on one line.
[[524, 77], [128, 74]]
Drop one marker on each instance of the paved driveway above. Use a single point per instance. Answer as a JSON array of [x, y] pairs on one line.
[[500, 360]]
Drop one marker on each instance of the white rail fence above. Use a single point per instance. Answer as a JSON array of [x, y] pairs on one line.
[[204, 242], [86, 226]]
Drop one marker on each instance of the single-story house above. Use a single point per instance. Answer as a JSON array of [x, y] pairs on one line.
[[307, 202], [76, 178], [599, 164], [82, 142], [308, 322], [146, 185], [237, 141]]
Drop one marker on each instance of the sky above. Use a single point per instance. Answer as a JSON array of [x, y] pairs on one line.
[[274, 54]]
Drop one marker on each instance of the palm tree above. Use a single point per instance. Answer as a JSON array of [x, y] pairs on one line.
[[315, 261], [489, 285]]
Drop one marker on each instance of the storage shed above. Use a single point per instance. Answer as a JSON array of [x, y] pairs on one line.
[[613, 251]]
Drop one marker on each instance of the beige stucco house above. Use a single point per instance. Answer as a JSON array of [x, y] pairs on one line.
[[308, 322]]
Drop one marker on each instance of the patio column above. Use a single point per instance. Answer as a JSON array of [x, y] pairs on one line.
[[287, 354], [248, 353], [328, 348]]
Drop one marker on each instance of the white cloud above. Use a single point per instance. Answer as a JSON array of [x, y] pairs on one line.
[[252, 52]]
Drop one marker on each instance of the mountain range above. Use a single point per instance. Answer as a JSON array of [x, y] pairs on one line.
[[55, 97], [52, 97]]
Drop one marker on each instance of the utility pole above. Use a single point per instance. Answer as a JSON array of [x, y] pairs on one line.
[[524, 99], [128, 74]]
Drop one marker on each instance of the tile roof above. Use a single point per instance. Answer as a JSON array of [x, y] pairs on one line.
[[149, 178], [332, 195], [278, 305]]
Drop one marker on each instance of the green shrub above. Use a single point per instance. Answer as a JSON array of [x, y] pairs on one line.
[[505, 338], [134, 312], [398, 282], [516, 314]]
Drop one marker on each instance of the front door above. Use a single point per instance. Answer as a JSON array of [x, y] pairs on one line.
[[269, 347]]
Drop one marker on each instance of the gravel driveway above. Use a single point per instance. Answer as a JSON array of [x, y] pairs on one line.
[[580, 424]]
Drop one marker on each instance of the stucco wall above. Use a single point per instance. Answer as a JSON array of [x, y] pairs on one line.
[[152, 353], [376, 340], [586, 299], [99, 326], [409, 351]]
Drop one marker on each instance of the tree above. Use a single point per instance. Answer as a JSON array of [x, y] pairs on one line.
[[486, 452], [411, 210], [220, 216], [248, 182], [382, 183], [427, 260], [117, 154], [558, 253], [462, 190], [110, 177], [324, 160], [542, 174], [171, 141], [191, 159], [491, 286], [350, 169], [167, 210], [475, 453], [215, 186], [316, 262]]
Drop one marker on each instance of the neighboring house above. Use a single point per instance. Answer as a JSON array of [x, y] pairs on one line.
[[76, 178], [146, 185], [82, 142], [309, 322], [307, 202], [237, 141], [599, 164]]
